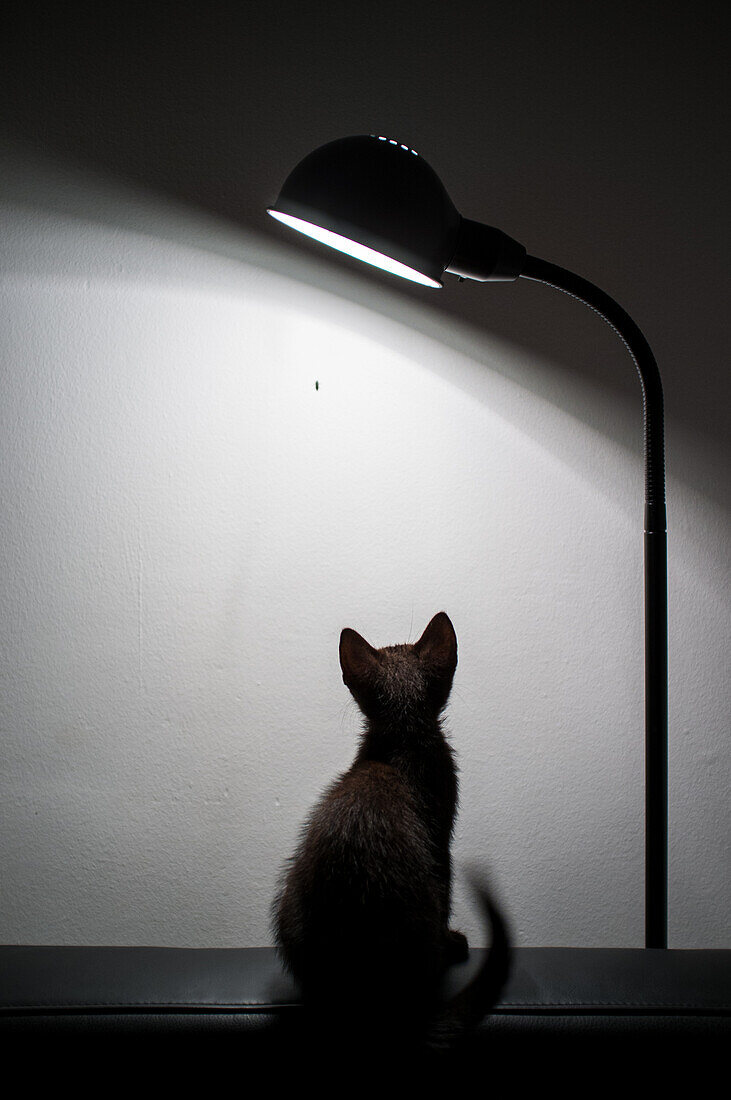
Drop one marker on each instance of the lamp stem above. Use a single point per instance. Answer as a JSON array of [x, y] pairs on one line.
[[656, 607]]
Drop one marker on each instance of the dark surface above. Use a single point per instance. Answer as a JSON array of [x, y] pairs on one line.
[[544, 981], [588, 1021]]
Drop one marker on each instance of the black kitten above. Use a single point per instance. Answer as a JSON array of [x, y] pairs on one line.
[[361, 916]]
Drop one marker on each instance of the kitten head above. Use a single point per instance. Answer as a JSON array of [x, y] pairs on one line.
[[397, 678]]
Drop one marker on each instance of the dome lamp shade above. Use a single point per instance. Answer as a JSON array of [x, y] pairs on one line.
[[375, 198]]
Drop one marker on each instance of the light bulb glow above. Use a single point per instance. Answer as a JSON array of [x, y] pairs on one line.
[[352, 248], [391, 141]]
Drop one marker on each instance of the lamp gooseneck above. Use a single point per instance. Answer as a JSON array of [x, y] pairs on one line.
[[377, 199], [656, 609]]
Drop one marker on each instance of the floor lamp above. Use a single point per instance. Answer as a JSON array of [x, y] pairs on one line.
[[378, 200]]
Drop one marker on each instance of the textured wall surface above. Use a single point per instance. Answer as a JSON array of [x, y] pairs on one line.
[[188, 522]]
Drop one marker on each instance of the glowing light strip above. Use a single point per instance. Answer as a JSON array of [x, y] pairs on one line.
[[352, 248]]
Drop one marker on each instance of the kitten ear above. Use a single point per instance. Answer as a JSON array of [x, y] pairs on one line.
[[358, 659], [438, 643]]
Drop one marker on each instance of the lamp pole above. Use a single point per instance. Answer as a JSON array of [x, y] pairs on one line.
[[656, 613]]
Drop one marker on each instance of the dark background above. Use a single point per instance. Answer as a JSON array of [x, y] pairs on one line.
[[596, 134]]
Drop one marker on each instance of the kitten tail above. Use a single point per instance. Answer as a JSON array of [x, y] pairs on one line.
[[463, 1012]]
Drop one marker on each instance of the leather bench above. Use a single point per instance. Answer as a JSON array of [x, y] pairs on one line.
[[553, 994]]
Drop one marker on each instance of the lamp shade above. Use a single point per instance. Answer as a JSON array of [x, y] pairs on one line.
[[375, 198]]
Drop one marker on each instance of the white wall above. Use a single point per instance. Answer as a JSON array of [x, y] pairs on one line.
[[594, 135], [187, 524]]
